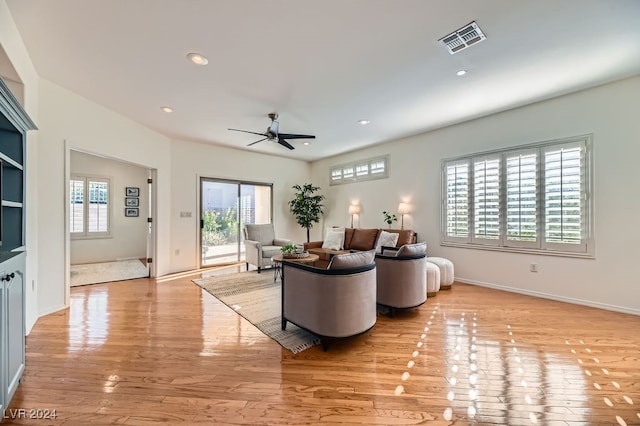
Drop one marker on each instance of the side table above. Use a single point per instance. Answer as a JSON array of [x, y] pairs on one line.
[[311, 259]]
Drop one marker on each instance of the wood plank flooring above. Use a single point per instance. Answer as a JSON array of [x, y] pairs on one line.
[[144, 352]]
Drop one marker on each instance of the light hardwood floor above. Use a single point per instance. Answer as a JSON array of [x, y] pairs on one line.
[[144, 352]]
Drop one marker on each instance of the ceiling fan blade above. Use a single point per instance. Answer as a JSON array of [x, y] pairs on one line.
[[253, 143], [246, 131], [293, 136], [284, 143]]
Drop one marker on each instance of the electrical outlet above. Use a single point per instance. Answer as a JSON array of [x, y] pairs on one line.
[[185, 214], [533, 267]]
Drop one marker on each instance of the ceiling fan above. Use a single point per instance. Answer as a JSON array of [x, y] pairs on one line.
[[273, 135]]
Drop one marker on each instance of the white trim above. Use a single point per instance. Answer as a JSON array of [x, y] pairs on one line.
[[557, 298], [512, 249]]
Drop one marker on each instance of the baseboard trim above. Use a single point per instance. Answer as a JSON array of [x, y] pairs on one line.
[[555, 297], [50, 310]]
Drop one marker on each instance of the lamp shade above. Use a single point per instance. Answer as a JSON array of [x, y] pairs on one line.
[[404, 208], [354, 209]]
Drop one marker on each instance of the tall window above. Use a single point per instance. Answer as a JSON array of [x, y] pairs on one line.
[[531, 198], [89, 206]]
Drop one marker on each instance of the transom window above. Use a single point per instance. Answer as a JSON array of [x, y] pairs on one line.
[[373, 168], [90, 208], [530, 198]]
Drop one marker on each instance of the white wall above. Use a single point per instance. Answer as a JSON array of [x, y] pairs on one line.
[[17, 54], [609, 112], [191, 160], [68, 120], [128, 238]]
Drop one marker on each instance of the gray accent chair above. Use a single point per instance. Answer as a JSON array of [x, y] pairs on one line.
[[401, 275], [260, 244], [332, 303]]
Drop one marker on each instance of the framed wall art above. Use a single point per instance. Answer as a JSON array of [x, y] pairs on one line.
[[131, 202], [131, 191], [131, 212]]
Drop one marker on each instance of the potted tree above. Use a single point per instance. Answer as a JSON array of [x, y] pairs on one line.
[[306, 207]]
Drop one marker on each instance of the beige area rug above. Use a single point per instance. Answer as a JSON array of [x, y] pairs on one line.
[[93, 273], [257, 298]]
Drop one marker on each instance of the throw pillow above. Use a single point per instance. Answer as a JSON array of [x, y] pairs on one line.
[[334, 239], [389, 239], [412, 249], [352, 260]]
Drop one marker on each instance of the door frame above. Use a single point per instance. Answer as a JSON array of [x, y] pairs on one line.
[[239, 183], [152, 248]]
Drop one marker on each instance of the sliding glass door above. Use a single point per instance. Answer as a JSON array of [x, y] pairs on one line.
[[225, 206]]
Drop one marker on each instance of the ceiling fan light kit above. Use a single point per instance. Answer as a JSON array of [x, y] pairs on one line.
[[272, 133]]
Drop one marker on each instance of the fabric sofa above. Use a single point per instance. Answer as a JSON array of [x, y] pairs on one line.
[[358, 239]]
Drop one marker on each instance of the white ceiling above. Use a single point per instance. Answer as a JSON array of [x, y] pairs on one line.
[[323, 65]]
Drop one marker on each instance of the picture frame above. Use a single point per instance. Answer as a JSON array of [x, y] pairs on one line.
[[131, 202], [131, 191], [131, 212]]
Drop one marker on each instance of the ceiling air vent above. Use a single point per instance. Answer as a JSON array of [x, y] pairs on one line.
[[464, 37]]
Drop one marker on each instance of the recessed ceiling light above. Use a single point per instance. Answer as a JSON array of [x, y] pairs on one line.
[[461, 72], [197, 59], [363, 122], [166, 109], [305, 143]]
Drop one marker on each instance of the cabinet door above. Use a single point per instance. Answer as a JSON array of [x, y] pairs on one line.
[[15, 324]]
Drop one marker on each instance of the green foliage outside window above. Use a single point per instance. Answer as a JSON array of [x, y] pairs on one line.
[[219, 227]]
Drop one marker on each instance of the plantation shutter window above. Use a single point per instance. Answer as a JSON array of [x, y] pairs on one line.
[[90, 207], [360, 170], [347, 173], [98, 208], [521, 182], [534, 198], [486, 200], [377, 167], [76, 207], [457, 200], [564, 196]]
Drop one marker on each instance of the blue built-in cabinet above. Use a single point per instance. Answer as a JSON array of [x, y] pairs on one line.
[[14, 124]]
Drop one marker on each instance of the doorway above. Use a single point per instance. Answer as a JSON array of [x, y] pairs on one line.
[[108, 211], [225, 206]]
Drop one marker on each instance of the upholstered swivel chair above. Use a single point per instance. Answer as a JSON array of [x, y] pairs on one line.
[[402, 276], [260, 244], [333, 303]]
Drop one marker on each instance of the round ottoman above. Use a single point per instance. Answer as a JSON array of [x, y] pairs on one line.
[[433, 279], [446, 271]]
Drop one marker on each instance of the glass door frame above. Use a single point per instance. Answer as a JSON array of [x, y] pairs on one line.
[[240, 233]]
